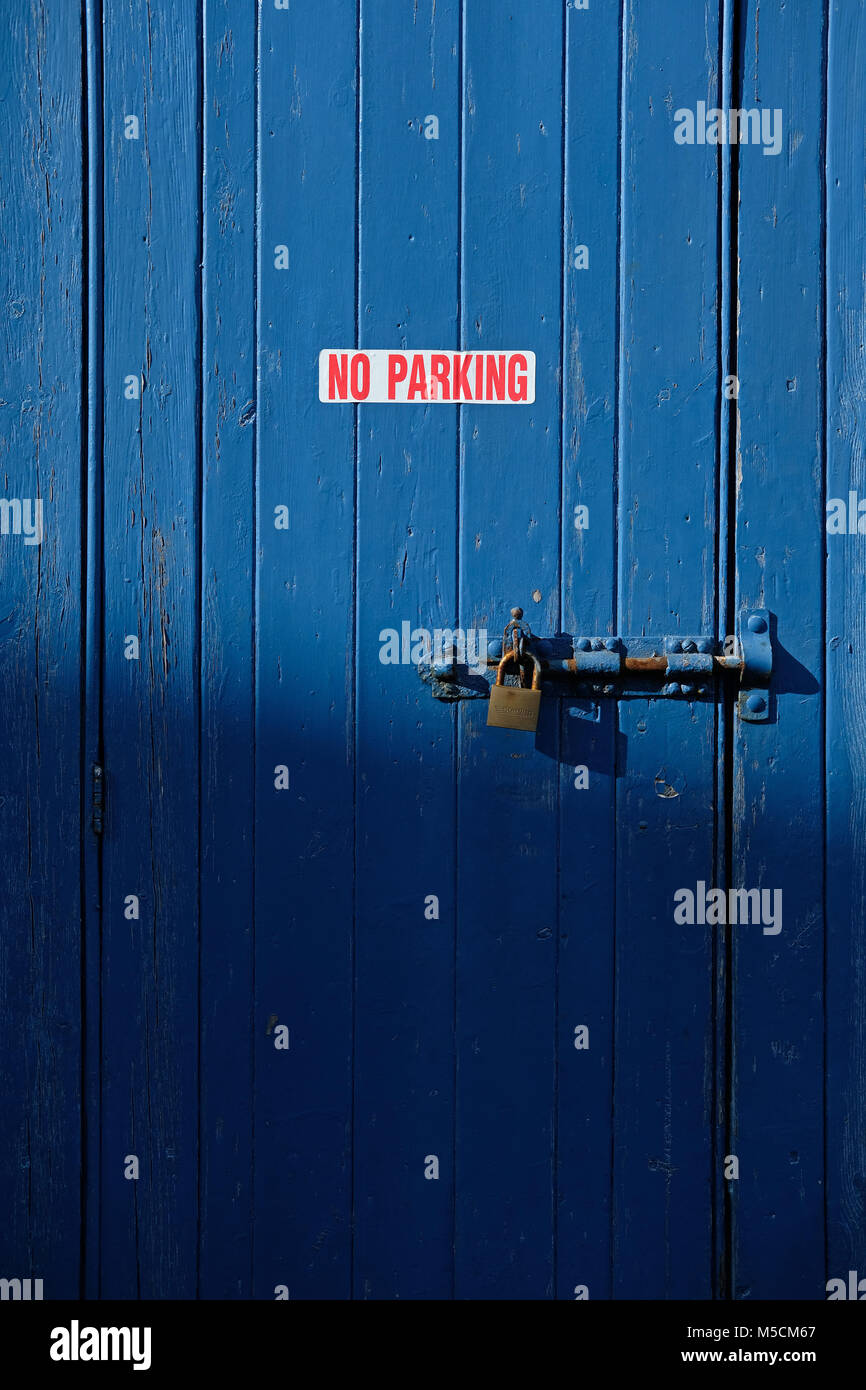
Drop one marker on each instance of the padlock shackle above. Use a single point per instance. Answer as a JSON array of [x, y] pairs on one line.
[[511, 655]]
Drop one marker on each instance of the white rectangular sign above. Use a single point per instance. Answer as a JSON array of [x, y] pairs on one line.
[[385, 376]]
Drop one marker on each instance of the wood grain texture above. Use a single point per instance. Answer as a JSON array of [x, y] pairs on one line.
[[405, 742], [283, 804], [150, 1014], [844, 636], [510, 489], [777, 981], [40, 647], [227, 644], [587, 825], [305, 601], [667, 553]]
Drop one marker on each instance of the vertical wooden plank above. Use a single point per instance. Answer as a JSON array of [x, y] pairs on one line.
[[726, 625], [510, 541], [669, 394], [150, 960], [304, 654], [585, 980], [407, 554], [846, 676], [777, 1122], [91, 858], [228, 433], [40, 645]]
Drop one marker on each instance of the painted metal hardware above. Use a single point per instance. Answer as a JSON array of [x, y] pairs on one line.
[[517, 631], [757, 649], [684, 667]]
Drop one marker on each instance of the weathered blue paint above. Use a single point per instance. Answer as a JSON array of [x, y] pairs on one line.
[[91, 867], [40, 638], [668, 407], [585, 967], [304, 836], [151, 545], [408, 286], [227, 767], [777, 1119], [845, 1137], [340, 1035], [511, 234]]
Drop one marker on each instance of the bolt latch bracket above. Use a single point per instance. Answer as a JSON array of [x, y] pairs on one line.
[[626, 667], [753, 702]]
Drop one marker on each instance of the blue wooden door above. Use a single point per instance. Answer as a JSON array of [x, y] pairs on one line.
[[315, 985]]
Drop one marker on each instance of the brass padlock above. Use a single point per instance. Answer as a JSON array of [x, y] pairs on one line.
[[513, 706]]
